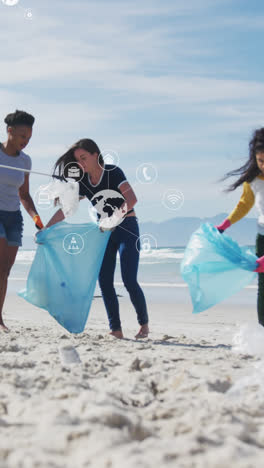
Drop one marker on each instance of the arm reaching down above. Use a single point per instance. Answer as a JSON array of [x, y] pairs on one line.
[[28, 203], [244, 205], [56, 218], [129, 195]]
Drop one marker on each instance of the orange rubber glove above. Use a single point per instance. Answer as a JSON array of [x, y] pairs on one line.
[[38, 222]]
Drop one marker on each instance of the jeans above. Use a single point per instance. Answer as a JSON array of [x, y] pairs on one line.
[[125, 239], [260, 301]]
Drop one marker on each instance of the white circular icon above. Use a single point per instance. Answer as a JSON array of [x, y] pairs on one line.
[[28, 14], [146, 243], [173, 199], [43, 198], [108, 209], [74, 171], [146, 173], [73, 244], [110, 157], [10, 2]]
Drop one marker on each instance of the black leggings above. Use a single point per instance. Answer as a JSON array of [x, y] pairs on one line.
[[260, 253]]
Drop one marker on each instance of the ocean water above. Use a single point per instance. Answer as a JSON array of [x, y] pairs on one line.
[[158, 268], [159, 276]]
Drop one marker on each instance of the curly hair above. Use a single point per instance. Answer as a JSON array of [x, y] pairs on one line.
[[19, 118]]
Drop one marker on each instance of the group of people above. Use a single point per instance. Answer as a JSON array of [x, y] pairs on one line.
[[98, 176]]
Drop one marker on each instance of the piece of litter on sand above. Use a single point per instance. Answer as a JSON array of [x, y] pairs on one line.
[[69, 355]]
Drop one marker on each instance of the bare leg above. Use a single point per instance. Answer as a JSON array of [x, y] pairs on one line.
[[7, 259]]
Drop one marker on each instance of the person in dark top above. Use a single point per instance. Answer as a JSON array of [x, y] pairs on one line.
[[107, 188]]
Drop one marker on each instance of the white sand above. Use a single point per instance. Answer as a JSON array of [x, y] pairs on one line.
[[164, 402]]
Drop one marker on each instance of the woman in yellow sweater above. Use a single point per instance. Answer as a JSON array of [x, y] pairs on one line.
[[251, 175]]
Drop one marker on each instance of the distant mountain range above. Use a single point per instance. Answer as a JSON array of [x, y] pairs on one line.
[[177, 231]]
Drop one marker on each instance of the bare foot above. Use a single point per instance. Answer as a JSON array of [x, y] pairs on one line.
[[3, 327], [117, 334], [143, 331]]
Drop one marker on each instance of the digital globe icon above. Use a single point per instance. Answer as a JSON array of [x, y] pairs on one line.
[[108, 209]]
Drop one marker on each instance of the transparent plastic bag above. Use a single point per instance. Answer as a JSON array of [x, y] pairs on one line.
[[64, 272], [215, 267]]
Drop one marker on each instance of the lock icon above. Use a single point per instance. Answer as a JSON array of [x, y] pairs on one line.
[[146, 247]]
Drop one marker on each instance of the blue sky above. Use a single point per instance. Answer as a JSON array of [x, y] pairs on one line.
[[175, 84]]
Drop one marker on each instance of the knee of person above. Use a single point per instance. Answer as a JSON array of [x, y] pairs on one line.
[[130, 285]]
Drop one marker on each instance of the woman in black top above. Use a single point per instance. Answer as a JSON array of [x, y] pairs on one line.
[[98, 177]]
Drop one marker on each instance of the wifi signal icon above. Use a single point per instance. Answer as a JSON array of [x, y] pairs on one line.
[[173, 199]]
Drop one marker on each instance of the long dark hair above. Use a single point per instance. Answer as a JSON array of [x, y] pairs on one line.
[[68, 157], [250, 169]]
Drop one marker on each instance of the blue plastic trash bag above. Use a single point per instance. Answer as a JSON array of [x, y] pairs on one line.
[[215, 267], [63, 274]]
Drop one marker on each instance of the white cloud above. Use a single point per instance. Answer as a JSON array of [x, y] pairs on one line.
[[135, 76]]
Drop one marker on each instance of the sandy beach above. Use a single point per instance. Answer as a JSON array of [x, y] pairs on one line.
[[90, 400]]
